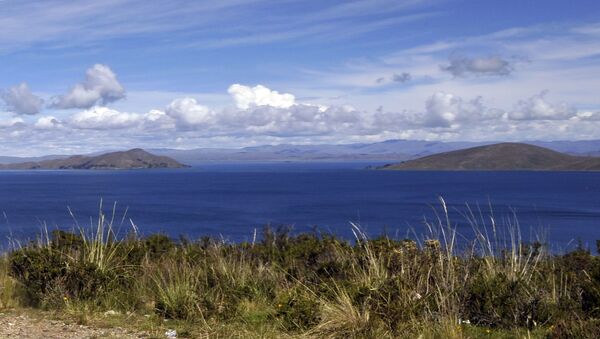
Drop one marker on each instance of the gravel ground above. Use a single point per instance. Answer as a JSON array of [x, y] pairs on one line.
[[23, 326]]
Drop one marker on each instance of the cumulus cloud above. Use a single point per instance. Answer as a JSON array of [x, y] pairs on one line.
[[448, 110], [157, 120], [12, 122], [188, 113], [299, 119], [47, 123], [443, 111], [539, 108], [464, 66], [99, 87], [20, 100], [259, 95], [589, 116], [103, 118], [260, 111]]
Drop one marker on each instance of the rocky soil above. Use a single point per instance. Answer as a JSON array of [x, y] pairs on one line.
[[26, 326]]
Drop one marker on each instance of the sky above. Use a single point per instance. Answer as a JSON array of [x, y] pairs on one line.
[[84, 76]]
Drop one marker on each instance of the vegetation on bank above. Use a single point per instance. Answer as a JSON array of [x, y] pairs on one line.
[[314, 284]]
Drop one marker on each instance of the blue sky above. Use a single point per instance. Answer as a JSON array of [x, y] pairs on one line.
[[90, 75]]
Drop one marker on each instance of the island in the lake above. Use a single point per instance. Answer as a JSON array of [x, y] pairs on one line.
[[135, 158], [501, 157]]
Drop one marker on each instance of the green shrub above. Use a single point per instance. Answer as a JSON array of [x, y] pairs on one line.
[[498, 301], [63, 241], [298, 310], [37, 270], [157, 245]]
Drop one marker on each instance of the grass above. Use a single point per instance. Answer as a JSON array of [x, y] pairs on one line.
[[310, 285]]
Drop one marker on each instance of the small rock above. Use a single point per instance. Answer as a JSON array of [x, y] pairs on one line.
[[111, 312], [171, 334]]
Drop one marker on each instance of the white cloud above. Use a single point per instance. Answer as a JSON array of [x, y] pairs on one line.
[[259, 95], [538, 108], [260, 110], [299, 119], [447, 110], [47, 123], [12, 122], [20, 100], [189, 114], [99, 87], [103, 118], [588, 116]]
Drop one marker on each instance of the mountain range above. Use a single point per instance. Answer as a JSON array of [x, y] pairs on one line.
[[389, 151]]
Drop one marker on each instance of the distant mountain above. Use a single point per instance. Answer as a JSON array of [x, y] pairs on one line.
[[14, 160], [133, 159], [503, 156], [391, 150], [279, 153]]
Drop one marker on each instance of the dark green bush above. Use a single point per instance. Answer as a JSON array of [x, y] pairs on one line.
[[297, 310], [37, 269], [498, 301], [44, 272], [157, 245], [66, 241]]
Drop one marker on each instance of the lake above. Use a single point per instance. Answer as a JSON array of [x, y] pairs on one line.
[[232, 200]]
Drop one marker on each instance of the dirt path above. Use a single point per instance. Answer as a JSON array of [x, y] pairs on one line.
[[24, 326]]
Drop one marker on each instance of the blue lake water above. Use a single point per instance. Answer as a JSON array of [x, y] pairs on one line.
[[231, 200]]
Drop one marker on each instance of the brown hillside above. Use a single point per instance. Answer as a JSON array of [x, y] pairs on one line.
[[503, 156], [133, 159]]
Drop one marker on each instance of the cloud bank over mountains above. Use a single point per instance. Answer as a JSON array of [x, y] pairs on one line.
[[261, 114]]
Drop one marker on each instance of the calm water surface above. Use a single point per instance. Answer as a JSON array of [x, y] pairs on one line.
[[231, 200]]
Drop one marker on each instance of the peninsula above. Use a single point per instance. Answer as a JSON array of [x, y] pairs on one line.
[[135, 158]]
